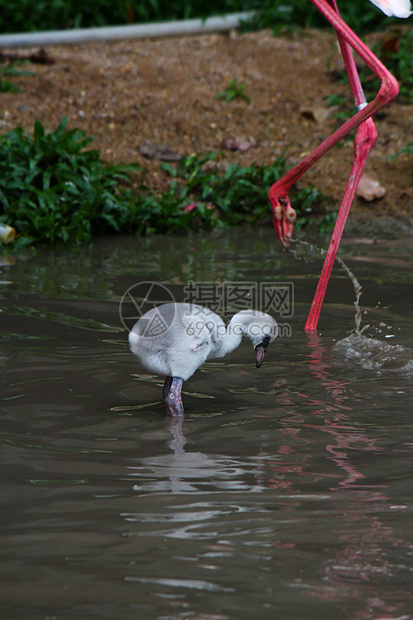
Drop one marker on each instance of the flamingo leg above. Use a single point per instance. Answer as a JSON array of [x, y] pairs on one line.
[[167, 386], [363, 143], [283, 214], [173, 400]]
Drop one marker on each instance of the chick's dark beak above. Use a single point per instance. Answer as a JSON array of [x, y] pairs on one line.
[[260, 350]]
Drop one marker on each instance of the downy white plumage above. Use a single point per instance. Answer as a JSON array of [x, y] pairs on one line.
[[177, 338]]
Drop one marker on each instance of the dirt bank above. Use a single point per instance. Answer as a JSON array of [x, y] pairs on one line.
[[162, 91]]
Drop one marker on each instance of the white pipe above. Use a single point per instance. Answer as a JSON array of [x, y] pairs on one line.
[[137, 31]]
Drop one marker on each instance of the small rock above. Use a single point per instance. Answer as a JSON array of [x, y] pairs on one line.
[[369, 189]]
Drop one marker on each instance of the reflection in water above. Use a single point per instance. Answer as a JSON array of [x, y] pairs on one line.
[[353, 438], [176, 427], [284, 494], [362, 554], [194, 472]]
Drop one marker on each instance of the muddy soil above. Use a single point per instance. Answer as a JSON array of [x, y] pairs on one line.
[[163, 92]]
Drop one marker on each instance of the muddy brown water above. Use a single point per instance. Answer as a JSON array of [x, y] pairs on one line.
[[285, 492]]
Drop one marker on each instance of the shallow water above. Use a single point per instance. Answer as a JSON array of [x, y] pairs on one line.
[[286, 492]]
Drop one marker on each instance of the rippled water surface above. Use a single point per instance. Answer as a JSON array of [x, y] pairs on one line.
[[285, 492]]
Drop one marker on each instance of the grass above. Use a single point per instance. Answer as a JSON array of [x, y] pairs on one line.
[[54, 191], [10, 71], [407, 150], [234, 91]]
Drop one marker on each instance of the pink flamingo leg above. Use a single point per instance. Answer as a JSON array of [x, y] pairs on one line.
[[283, 214], [363, 143]]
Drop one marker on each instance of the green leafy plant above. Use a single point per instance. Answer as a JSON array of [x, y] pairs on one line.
[[8, 87], [10, 71], [343, 110], [399, 62], [408, 150], [31, 15], [326, 224], [52, 191], [239, 193], [233, 91]]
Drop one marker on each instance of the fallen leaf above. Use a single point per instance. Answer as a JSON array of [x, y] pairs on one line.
[[317, 113], [391, 41], [369, 189], [239, 144], [161, 152], [41, 57]]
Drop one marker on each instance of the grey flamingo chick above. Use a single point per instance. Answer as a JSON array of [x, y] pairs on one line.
[[175, 339]]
